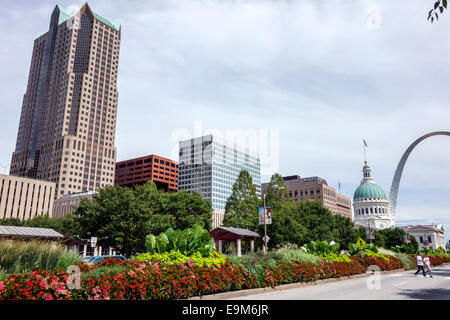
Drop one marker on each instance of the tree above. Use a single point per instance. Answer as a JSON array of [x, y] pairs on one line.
[[116, 219], [318, 220], [121, 217], [286, 227], [11, 222], [346, 232], [439, 5], [241, 208], [395, 237], [277, 193], [180, 210]]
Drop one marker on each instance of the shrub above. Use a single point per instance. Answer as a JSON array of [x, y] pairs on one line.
[[296, 254], [214, 259], [26, 256], [187, 241]]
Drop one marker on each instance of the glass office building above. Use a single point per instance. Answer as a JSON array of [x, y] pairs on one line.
[[211, 165]]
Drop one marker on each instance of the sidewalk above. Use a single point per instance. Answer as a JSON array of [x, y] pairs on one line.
[[247, 292]]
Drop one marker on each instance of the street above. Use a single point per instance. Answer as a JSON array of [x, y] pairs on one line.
[[392, 286]]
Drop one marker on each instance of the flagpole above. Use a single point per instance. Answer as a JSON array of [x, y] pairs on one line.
[[364, 148]]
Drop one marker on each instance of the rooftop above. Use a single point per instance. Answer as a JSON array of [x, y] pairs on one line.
[[29, 232]]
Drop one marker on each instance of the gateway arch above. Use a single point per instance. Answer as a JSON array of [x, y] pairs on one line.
[[398, 173]]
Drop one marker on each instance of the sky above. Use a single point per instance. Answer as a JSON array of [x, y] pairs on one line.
[[309, 79]]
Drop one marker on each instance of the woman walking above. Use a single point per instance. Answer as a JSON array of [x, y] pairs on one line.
[[427, 263]]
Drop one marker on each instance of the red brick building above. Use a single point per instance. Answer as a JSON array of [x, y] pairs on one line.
[[162, 171]]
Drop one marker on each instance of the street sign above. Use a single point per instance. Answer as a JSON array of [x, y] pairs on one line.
[[93, 242], [268, 215], [264, 238]]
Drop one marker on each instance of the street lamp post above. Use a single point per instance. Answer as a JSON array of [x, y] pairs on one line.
[[275, 186], [265, 224]]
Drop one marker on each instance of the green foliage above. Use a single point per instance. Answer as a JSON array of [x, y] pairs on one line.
[[297, 255], [187, 241], [122, 217], [319, 222], [406, 260], [318, 247], [370, 253], [241, 208], [326, 251], [353, 249], [25, 256], [404, 248], [335, 257], [277, 193], [213, 259], [3, 275], [361, 244]]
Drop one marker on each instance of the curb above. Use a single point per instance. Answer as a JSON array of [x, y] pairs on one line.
[[247, 292]]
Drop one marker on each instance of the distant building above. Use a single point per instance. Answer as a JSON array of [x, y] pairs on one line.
[[428, 236], [68, 203], [162, 171], [370, 204], [24, 198], [211, 165], [315, 188]]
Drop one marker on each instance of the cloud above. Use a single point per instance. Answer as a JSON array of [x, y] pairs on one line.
[[312, 69]]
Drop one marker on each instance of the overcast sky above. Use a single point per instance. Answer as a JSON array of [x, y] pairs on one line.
[[320, 76]]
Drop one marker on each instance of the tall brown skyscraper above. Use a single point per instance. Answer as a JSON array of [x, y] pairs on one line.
[[68, 119]]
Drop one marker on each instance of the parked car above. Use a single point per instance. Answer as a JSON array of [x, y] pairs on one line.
[[99, 259], [88, 259]]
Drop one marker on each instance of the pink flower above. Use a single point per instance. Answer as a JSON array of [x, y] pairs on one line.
[[48, 297], [2, 287]]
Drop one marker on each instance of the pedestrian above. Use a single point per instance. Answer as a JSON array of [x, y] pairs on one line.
[[420, 265], [427, 262]]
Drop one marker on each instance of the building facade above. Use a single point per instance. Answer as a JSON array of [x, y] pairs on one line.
[[68, 203], [211, 165], [428, 236], [316, 188], [370, 204], [162, 171], [68, 120], [24, 198]]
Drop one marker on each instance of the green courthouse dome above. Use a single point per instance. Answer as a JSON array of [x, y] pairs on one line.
[[369, 190]]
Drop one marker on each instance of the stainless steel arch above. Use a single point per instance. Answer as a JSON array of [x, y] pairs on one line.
[[398, 173]]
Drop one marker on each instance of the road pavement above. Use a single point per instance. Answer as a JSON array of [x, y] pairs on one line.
[[402, 285]]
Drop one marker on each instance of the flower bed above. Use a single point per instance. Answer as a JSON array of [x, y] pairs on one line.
[[136, 280]]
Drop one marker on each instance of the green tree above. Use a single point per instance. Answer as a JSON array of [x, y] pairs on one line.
[[345, 230], [116, 219], [180, 210], [121, 217], [286, 227], [11, 222], [277, 193], [318, 221], [241, 209]]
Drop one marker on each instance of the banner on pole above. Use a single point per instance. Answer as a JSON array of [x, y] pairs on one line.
[[268, 215]]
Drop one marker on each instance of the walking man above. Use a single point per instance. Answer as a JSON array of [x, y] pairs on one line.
[[420, 265], [427, 262]]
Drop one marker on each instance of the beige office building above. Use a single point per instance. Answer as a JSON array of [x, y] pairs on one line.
[[68, 203], [24, 198], [315, 188], [68, 121]]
